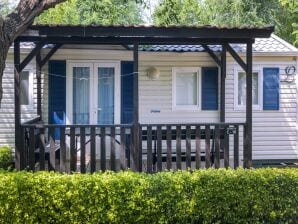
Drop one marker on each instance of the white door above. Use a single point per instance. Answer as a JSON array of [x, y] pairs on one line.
[[93, 93]]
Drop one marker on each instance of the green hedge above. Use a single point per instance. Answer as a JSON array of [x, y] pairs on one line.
[[6, 158], [205, 196]]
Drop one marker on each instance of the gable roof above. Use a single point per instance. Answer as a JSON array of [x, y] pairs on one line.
[[273, 44]]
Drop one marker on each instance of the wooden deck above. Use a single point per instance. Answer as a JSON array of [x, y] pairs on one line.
[[89, 148]]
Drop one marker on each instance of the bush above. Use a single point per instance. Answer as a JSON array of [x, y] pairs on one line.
[[203, 196], [5, 157]]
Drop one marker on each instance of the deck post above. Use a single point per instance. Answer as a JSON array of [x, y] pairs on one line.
[[19, 143], [222, 83], [248, 132], [38, 84], [136, 163]]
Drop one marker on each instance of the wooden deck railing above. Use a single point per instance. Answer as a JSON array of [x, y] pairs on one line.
[[88, 148]]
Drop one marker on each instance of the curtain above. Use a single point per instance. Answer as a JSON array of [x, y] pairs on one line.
[[24, 88], [186, 88], [81, 92], [242, 88], [106, 82]]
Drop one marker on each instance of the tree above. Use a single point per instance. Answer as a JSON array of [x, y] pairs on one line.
[[13, 23], [281, 13], [93, 12], [291, 9], [16, 22], [173, 12]]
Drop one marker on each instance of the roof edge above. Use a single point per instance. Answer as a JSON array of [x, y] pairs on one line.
[[284, 42]]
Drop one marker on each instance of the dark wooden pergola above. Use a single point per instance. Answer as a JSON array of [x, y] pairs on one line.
[[43, 35]]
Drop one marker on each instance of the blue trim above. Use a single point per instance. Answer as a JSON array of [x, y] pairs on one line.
[[271, 88], [209, 88], [57, 92], [126, 92]]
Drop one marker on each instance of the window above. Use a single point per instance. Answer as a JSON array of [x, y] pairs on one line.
[[26, 88], [186, 88], [240, 86]]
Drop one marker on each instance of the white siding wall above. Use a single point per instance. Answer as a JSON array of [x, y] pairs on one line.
[[7, 104], [274, 132]]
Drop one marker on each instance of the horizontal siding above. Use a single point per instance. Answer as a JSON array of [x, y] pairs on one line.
[[274, 132], [7, 105]]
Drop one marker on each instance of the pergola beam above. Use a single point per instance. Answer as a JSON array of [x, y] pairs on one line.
[[236, 57], [50, 54], [212, 54], [132, 40], [31, 55], [152, 31]]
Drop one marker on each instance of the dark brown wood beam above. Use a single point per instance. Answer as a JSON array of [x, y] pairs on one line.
[[132, 40], [50, 54], [248, 131], [212, 54], [137, 166], [19, 146], [223, 71], [31, 55], [237, 58], [153, 31]]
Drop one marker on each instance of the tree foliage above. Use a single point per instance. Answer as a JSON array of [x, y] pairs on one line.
[[14, 21], [93, 12], [281, 13]]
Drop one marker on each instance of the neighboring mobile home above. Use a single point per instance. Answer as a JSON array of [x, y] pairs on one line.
[[190, 103]]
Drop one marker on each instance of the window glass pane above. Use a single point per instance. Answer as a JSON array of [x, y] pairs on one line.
[[106, 81], [24, 88], [186, 88], [242, 88], [255, 89], [81, 92]]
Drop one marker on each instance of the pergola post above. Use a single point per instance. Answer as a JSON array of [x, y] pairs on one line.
[[248, 131], [222, 83], [19, 145], [136, 152]]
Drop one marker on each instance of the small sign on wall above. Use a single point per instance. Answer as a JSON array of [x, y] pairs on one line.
[[154, 111]]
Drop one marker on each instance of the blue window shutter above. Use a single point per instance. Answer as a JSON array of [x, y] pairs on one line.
[[126, 92], [209, 88], [271, 88], [57, 92]]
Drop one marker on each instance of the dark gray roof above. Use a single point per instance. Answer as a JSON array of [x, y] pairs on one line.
[[261, 45]]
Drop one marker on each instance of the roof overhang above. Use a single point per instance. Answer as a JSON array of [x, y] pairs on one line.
[[144, 34]]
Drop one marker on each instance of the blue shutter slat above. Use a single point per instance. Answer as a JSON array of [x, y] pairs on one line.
[[209, 88], [57, 92], [271, 88], [126, 92]]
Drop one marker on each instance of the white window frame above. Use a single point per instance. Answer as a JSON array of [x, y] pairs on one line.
[[30, 105], [175, 70], [258, 70], [92, 64]]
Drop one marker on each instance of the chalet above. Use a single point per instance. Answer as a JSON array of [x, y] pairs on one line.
[[149, 98]]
